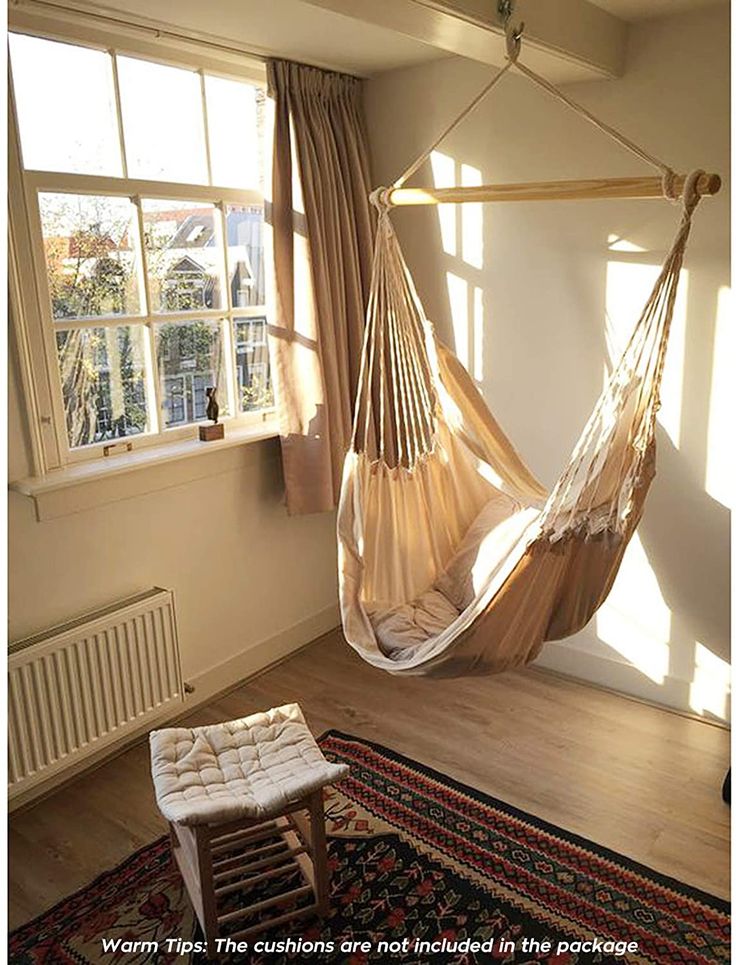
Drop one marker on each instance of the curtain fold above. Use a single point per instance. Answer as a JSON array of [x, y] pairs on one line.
[[322, 238]]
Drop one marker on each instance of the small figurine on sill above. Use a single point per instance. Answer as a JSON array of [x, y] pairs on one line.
[[217, 429]]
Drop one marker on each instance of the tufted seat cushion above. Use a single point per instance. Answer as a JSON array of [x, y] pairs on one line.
[[248, 768]]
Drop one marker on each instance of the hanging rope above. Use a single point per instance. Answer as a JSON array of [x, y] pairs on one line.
[[396, 400], [614, 134], [415, 165], [513, 49]]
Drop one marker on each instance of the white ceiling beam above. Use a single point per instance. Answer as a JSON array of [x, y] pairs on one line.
[[572, 39]]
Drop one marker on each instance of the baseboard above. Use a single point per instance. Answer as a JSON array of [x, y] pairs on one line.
[[618, 676], [207, 685]]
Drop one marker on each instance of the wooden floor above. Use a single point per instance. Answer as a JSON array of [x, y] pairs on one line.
[[639, 780]]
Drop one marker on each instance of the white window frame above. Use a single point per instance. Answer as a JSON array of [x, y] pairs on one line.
[[30, 301]]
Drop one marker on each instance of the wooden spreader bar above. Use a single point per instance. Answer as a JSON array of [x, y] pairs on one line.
[[590, 190]]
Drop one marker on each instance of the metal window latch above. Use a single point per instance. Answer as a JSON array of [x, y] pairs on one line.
[[114, 448]]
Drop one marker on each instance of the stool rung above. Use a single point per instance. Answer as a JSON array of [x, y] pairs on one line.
[[226, 862], [294, 894], [272, 922], [263, 863], [244, 883], [228, 841]]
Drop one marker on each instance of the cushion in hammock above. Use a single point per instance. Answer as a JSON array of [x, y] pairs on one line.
[[456, 582], [429, 614], [407, 624], [247, 768]]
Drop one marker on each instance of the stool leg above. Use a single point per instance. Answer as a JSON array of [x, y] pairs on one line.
[[207, 886], [173, 841], [318, 840], [191, 851]]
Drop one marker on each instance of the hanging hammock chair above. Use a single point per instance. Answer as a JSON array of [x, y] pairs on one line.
[[453, 558]]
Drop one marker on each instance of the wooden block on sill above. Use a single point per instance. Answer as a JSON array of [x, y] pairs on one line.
[[212, 432]]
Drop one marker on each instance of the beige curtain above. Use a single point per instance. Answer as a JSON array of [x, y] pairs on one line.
[[322, 247]]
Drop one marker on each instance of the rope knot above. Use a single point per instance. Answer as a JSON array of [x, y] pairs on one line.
[[513, 41], [690, 192], [669, 187], [381, 200]]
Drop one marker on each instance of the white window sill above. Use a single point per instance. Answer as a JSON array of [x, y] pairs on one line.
[[86, 485]]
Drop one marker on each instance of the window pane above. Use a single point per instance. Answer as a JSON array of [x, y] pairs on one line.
[[190, 360], [184, 255], [251, 356], [235, 118], [65, 100], [91, 246], [245, 255], [103, 383], [162, 122]]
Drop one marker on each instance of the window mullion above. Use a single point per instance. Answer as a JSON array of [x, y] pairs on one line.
[[109, 321], [102, 321], [206, 122], [228, 343], [49, 332], [36, 371], [153, 388], [231, 343], [65, 183], [119, 112]]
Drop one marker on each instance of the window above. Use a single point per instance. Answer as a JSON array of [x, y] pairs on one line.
[[144, 203]]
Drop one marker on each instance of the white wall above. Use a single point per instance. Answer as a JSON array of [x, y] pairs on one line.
[[244, 573], [527, 303]]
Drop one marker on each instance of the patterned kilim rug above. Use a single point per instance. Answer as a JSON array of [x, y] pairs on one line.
[[415, 857]]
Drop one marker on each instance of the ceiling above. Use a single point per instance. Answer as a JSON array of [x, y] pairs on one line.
[[365, 38], [368, 38], [291, 29], [349, 35], [646, 9]]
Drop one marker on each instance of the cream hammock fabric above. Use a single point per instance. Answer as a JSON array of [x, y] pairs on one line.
[[452, 557]]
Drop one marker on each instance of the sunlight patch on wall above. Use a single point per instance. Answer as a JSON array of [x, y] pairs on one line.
[[472, 220], [628, 287], [719, 470], [461, 233], [478, 334], [443, 174], [635, 620], [457, 293], [711, 686], [615, 243]]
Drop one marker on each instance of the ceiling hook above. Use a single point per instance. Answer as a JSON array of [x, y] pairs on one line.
[[505, 10]]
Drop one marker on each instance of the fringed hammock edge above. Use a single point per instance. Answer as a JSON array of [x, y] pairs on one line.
[[453, 558]]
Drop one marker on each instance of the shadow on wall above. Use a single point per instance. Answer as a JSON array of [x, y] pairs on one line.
[[536, 306]]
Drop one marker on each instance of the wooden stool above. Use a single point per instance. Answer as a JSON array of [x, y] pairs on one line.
[[244, 804]]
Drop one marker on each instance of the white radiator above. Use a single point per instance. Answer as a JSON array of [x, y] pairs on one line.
[[80, 687]]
